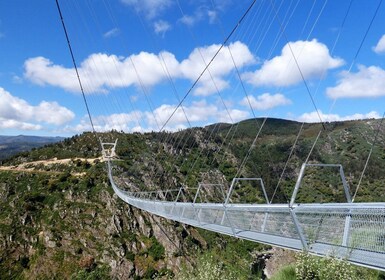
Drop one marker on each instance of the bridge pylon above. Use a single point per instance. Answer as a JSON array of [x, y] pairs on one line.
[[109, 150]]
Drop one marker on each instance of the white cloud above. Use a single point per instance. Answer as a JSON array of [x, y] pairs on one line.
[[18, 113], [367, 82], [235, 116], [150, 8], [266, 101], [188, 20], [111, 33], [222, 65], [313, 117], [380, 47], [161, 27], [213, 15], [198, 113], [191, 20], [200, 14], [313, 58], [41, 71], [128, 122], [14, 124], [51, 112], [84, 125], [122, 121], [101, 72]]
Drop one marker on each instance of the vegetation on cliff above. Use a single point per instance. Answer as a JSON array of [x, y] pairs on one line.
[[59, 218]]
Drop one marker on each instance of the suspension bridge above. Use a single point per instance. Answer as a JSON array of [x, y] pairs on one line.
[[354, 231], [351, 231]]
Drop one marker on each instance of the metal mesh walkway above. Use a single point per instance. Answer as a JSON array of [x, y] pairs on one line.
[[352, 231]]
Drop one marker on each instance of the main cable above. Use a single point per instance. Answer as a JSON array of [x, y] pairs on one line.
[[74, 63]]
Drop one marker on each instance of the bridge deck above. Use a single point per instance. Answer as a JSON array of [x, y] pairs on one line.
[[352, 231]]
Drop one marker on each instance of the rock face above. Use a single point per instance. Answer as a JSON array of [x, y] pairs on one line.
[[277, 259], [82, 228]]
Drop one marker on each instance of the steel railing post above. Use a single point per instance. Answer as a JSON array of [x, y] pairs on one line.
[[297, 184], [176, 200], [299, 229], [345, 184]]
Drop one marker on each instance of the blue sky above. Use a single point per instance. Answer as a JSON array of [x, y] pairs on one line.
[[137, 59]]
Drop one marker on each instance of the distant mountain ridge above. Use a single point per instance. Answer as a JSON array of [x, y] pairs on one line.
[[11, 145]]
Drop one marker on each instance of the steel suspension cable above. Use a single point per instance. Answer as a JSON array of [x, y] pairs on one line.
[[302, 125], [138, 76], [324, 73], [369, 155], [118, 103], [248, 102], [216, 89], [297, 64], [75, 65], [185, 136], [210, 62], [351, 65]]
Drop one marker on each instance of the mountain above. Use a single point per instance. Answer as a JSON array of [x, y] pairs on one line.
[[59, 218], [11, 145]]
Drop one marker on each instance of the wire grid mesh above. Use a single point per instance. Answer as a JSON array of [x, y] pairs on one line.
[[354, 231], [364, 227]]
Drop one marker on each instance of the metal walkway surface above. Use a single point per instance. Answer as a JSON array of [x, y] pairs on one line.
[[352, 231]]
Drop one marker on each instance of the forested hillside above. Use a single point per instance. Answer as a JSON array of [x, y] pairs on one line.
[[59, 218]]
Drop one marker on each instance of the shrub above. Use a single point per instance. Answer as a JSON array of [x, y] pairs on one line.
[[156, 250], [207, 268], [316, 268]]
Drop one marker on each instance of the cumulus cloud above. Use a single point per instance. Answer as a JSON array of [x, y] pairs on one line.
[[197, 16], [313, 58], [188, 20], [161, 27], [367, 82], [223, 65], [150, 8], [128, 122], [18, 113], [198, 113], [380, 47], [201, 13], [101, 72], [111, 33], [313, 117], [266, 101], [41, 71], [122, 121], [14, 124]]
